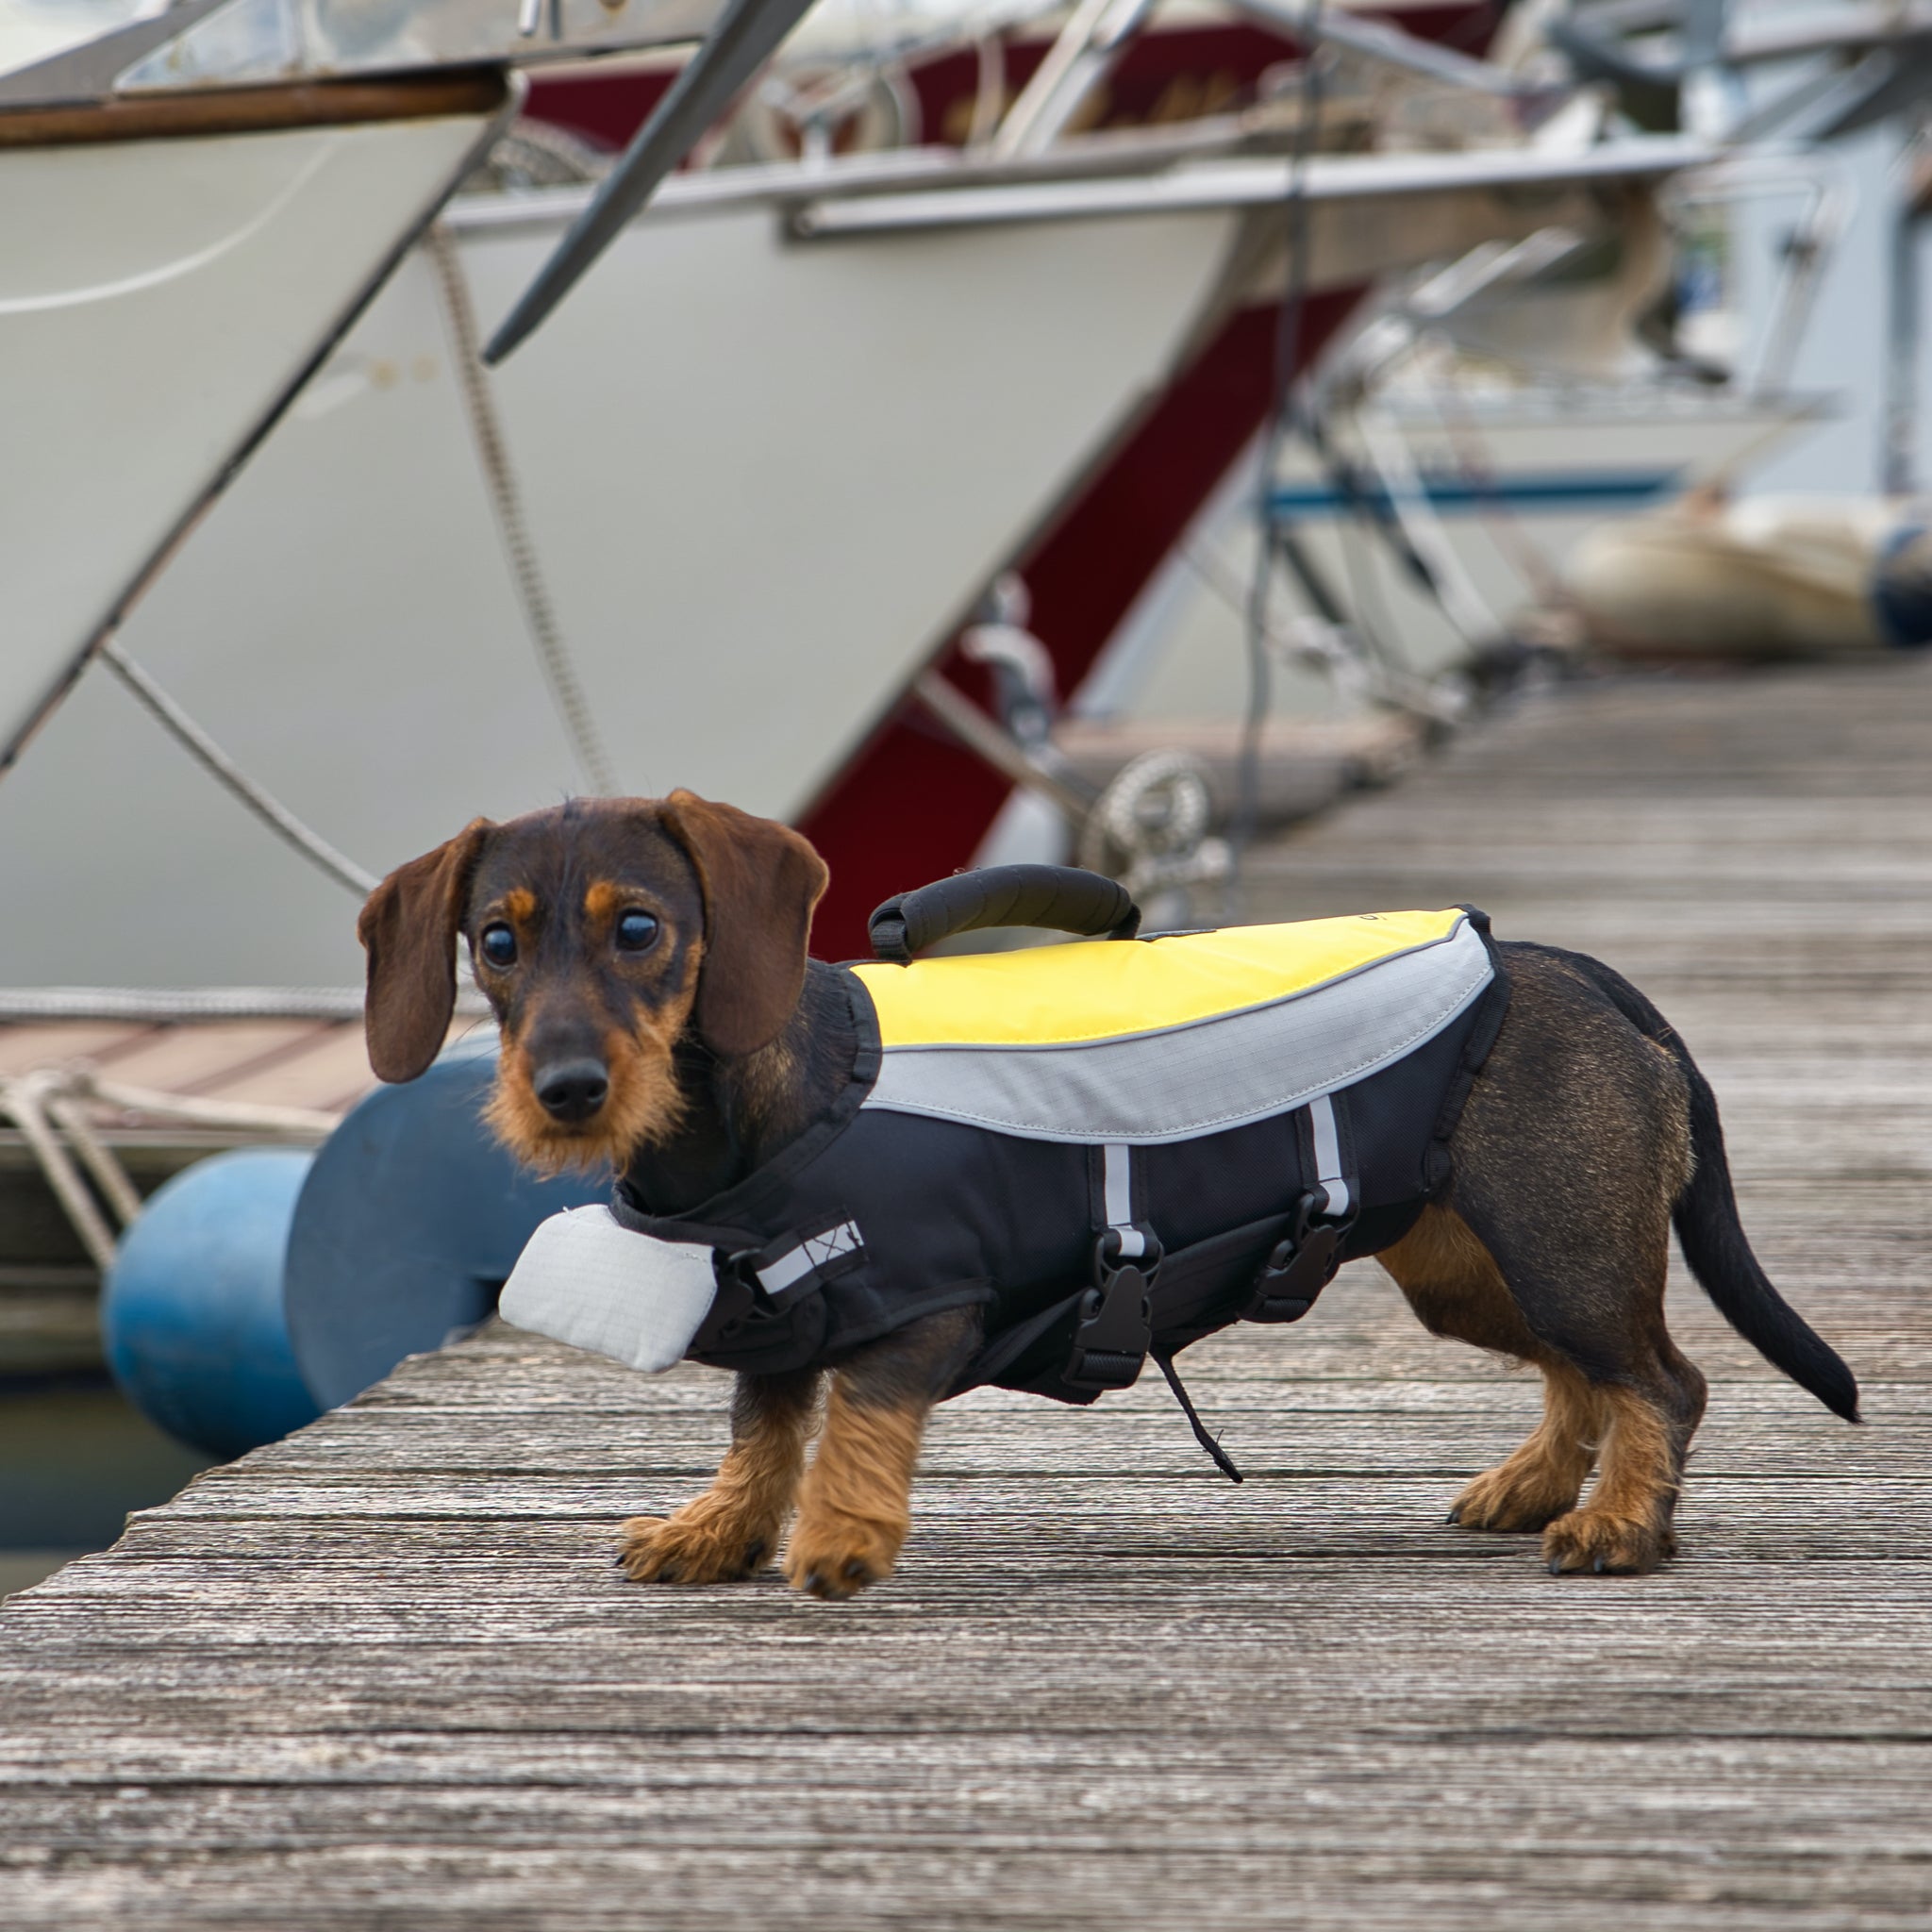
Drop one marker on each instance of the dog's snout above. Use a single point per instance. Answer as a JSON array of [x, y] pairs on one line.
[[573, 1091]]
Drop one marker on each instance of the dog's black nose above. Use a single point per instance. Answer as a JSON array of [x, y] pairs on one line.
[[572, 1090]]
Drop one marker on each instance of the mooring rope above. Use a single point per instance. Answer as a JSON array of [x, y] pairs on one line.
[[50, 1109], [506, 499]]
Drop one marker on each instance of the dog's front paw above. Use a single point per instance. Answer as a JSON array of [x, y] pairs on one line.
[[701, 1544], [1596, 1541], [833, 1556]]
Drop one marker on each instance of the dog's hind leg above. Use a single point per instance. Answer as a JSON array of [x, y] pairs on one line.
[[854, 1503], [732, 1530], [1570, 1153], [1454, 1288]]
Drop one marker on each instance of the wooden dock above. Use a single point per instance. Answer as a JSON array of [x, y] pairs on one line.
[[384, 1673]]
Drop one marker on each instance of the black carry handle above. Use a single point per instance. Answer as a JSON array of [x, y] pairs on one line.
[[1060, 896]]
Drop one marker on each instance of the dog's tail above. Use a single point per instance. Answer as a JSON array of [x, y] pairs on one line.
[[1712, 1237]]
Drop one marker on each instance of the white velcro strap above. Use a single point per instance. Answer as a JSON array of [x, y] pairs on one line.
[[1330, 1177], [585, 1279]]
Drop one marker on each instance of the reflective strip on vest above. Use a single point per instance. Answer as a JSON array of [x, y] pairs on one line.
[[1117, 1171], [1156, 1041], [812, 1253], [1328, 1175]]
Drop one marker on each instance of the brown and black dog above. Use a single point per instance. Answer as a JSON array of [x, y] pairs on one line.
[[646, 961]]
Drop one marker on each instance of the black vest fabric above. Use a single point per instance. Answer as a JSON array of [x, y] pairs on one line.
[[873, 1219]]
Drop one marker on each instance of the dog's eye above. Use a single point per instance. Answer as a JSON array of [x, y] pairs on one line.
[[635, 931], [498, 946]]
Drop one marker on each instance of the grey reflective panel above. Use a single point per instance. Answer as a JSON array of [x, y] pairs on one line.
[[1200, 1078]]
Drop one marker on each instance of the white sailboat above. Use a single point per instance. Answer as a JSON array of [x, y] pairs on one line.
[[194, 204], [769, 452]]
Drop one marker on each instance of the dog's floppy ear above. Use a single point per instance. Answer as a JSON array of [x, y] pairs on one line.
[[409, 928], [760, 881]]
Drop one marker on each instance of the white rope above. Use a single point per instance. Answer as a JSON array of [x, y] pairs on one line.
[[107, 1173], [82, 1083], [22, 1100], [51, 1109], [219, 766], [519, 551]]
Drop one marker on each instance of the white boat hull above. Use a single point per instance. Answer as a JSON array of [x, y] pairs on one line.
[[759, 478], [159, 299], [763, 476]]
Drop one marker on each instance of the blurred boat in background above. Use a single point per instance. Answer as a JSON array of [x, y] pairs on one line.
[[1766, 578], [195, 203], [1451, 450], [754, 474]]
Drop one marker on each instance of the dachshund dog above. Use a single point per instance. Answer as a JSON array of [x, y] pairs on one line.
[[646, 961]]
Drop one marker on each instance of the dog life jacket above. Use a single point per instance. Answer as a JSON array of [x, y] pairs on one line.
[[1115, 1148]]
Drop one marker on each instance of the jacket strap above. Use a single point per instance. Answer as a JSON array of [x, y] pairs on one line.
[[1126, 1237], [1304, 1263], [1113, 1324], [1325, 1122], [785, 1268]]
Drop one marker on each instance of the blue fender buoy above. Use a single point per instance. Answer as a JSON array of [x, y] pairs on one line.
[[408, 1227], [261, 1287], [191, 1313]]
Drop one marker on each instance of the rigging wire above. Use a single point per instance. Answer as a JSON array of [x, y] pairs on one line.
[[1280, 424], [225, 772], [553, 654]]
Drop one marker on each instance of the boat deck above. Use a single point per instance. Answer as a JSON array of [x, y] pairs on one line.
[[385, 1673]]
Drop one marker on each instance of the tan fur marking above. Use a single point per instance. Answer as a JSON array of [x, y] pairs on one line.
[[520, 905], [646, 1106], [1626, 1526], [601, 902], [732, 1530], [854, 1503], [1543, 1478], [1454, 1287], [1454, 1284]]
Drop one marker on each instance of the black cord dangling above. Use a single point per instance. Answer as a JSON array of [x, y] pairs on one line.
[[1223, 1460]]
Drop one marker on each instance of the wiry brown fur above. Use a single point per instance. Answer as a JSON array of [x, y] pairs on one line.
[[1579, 1194], [1588, 1134], [854, 1503], [646, 1106]]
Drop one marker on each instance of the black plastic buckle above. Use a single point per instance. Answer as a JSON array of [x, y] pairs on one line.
[[1113, 1326], [1300, 1266]]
